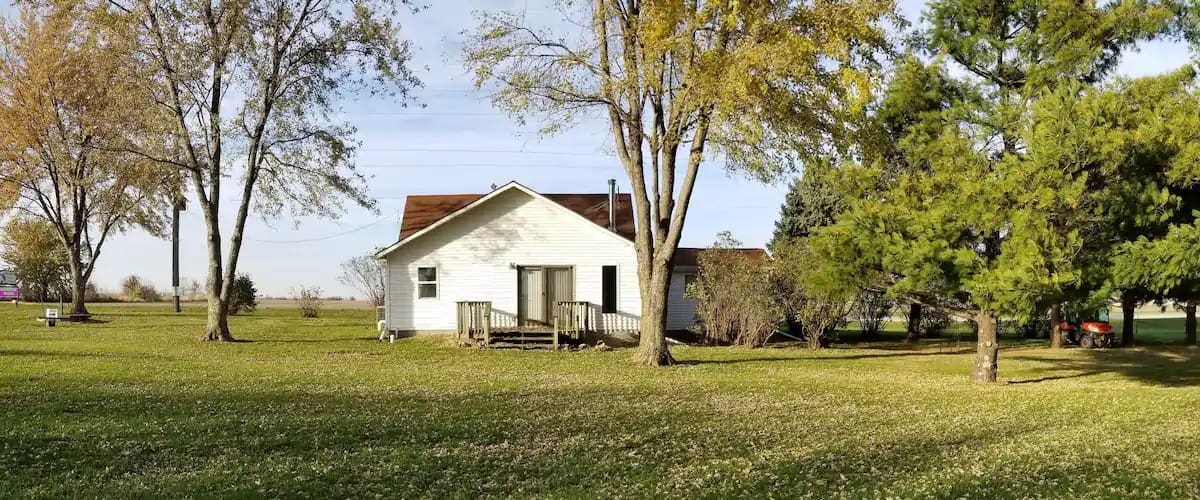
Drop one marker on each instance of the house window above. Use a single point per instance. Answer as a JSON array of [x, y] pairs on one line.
[[427, 282], [688, 279], [608, 300]]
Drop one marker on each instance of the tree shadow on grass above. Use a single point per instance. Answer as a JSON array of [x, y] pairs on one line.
[[148, 314], [1048, 378], [89, 321], [718, 362], [891, 341], [490, 443], [396, 443], [317, 341], [1161, 366], [68, 354], [67, 321], [827, 354], [896, 353]]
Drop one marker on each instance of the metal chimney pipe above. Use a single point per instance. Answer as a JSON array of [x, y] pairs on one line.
[[612, 205]]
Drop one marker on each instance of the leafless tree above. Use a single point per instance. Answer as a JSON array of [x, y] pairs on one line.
[[367, 275]]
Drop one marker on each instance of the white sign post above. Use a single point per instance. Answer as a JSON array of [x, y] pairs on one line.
[[51, 317]]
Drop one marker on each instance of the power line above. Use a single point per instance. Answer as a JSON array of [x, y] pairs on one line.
[[323, 238], [448, 90], [432, 113]]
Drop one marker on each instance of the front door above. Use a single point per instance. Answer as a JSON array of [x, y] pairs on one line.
[[539, 289], [560, 287], [531, 296]]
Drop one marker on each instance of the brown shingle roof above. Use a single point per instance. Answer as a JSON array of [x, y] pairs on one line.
[[689, 257], [422, 211]]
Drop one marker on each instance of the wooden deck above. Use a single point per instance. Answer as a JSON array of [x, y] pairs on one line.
[[571, 325]]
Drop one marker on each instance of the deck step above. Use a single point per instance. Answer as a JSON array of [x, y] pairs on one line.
[[521, 339], [519, 345]]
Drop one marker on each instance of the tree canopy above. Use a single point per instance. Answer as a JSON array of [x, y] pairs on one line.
[[31, 249], [812, 202], [764, 85], [983, 206], [72, 107], [252, 89]]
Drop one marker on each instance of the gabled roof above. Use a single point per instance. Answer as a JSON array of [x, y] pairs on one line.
[[423, 213], [690, 257]]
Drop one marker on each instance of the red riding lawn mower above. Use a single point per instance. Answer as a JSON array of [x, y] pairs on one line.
[[1087, 330]]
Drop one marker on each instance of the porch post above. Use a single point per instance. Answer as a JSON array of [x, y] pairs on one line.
[[487, 323]]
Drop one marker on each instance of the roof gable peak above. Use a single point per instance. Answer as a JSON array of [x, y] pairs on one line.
[[423, 213]]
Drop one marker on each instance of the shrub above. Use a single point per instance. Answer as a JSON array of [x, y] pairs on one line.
[[733, 289], [191, 290], [243, 295], [815, 301], [934, 322], [92, 293], [874, 308], [1036, 324], [149, 294], [135, 288], [131, 286], [366, 274], [309, 301]]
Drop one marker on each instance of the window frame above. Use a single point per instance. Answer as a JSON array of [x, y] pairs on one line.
[[436, 282], [688, 279]]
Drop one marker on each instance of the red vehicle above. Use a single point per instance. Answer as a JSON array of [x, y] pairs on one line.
[[8, 286], [1087, 330]]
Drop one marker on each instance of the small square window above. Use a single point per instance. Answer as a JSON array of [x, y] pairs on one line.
[[427, 282], [688, 279]]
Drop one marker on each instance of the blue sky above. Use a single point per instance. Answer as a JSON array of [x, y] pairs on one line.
[[397, 144]]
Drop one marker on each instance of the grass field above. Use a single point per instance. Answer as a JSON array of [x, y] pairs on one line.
[[135, 406]]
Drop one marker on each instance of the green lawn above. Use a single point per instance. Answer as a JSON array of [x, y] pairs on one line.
[[1155, 331], [135, 406]]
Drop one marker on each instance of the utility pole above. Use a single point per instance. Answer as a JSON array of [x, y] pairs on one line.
[[176, 207]]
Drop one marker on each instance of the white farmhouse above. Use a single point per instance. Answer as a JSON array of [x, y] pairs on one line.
[[514, 263]]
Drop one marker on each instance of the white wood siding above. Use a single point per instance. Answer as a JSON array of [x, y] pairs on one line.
[[477, 253], [681, 311]]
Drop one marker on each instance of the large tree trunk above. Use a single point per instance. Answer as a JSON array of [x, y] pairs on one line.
[[78, 287], [78, 292], [652, 346], [217, 328], [218, 320], [1056, 318], [1189, 324], [914, 322], [1127, 308], [987, 349]]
